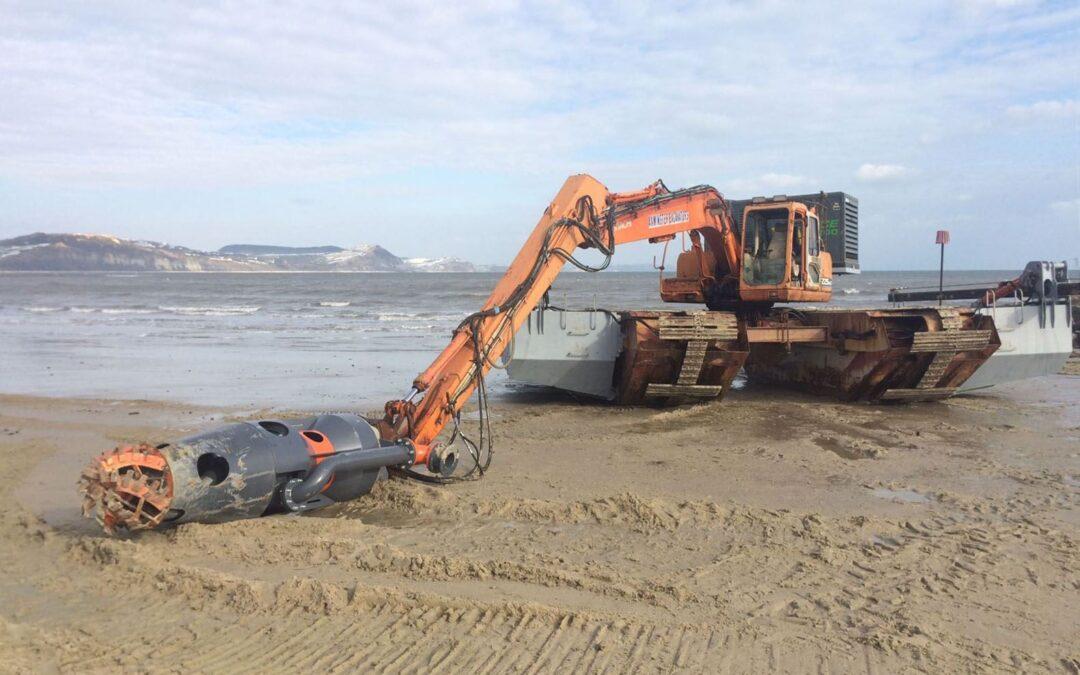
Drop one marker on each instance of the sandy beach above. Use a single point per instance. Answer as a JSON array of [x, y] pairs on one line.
[[771, 531], [273, 257]]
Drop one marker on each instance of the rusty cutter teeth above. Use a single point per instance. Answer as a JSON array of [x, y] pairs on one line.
[[127, 488]]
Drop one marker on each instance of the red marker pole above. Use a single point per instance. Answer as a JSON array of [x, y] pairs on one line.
[[942, 239]]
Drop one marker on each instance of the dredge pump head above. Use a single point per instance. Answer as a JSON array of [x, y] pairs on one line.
[[241, 470]]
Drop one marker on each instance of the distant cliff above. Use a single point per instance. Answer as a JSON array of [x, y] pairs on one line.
[[94, 252], [97, 253], [259, 249]]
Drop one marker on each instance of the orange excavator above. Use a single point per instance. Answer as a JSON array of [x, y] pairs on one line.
[[782, 261], [255, 468]]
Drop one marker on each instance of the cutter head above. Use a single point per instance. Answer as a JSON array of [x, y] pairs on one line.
[[128, 488]]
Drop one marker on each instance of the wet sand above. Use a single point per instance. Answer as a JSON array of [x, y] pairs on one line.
[[771, 531]]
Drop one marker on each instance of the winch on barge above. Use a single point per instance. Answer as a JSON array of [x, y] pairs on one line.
[[739, 271]]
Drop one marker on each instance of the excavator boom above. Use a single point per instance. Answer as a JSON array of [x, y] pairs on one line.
[[571, 221], [444, 387]]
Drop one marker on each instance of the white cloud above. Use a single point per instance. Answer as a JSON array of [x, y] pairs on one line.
[[997, 4], [247, 100], [766, 183], [881, 173], [127, 94], [1045, 110], [782, 181], [1067, 207]]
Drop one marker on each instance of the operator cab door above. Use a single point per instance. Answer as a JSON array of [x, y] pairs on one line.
[[813, 252], [797, 280], [818, 262], [811, 266]]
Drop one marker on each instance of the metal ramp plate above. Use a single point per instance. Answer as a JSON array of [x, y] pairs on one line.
[[950, 318], [699, 326], [918, 394], [949, 340], [935, 370], [691, 390]]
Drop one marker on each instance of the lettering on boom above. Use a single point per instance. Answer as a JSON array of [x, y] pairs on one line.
[[665, 219]]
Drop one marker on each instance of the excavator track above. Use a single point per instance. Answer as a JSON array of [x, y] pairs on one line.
[[945, 345], [909, 354], [695, 332], [675, 356]]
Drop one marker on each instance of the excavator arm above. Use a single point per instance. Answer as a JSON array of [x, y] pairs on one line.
[[573, 220], [439, 393]]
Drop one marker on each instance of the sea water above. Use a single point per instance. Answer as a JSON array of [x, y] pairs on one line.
[[284, 340]]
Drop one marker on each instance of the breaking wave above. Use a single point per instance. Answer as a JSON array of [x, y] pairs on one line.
[[419, 316], [221, 310], [42, 310], [224, 310], [121, 310]]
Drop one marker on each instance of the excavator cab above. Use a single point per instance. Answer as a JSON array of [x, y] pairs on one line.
[[783, 256]]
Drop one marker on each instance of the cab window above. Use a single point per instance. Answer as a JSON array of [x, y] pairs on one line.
[[797, 230], [813, 243], [765, 247]]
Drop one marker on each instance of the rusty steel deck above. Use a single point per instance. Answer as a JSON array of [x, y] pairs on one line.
[[875, 355]]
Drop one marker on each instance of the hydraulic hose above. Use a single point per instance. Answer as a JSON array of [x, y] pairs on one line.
[[298, 491]]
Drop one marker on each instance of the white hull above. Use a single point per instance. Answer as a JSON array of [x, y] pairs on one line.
[[1027, 349], [568, 350]]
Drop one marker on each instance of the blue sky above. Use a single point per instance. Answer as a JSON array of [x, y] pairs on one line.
[[444, 128]]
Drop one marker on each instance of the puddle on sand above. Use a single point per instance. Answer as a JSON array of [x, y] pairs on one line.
[[902, 495], [850, 450]]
